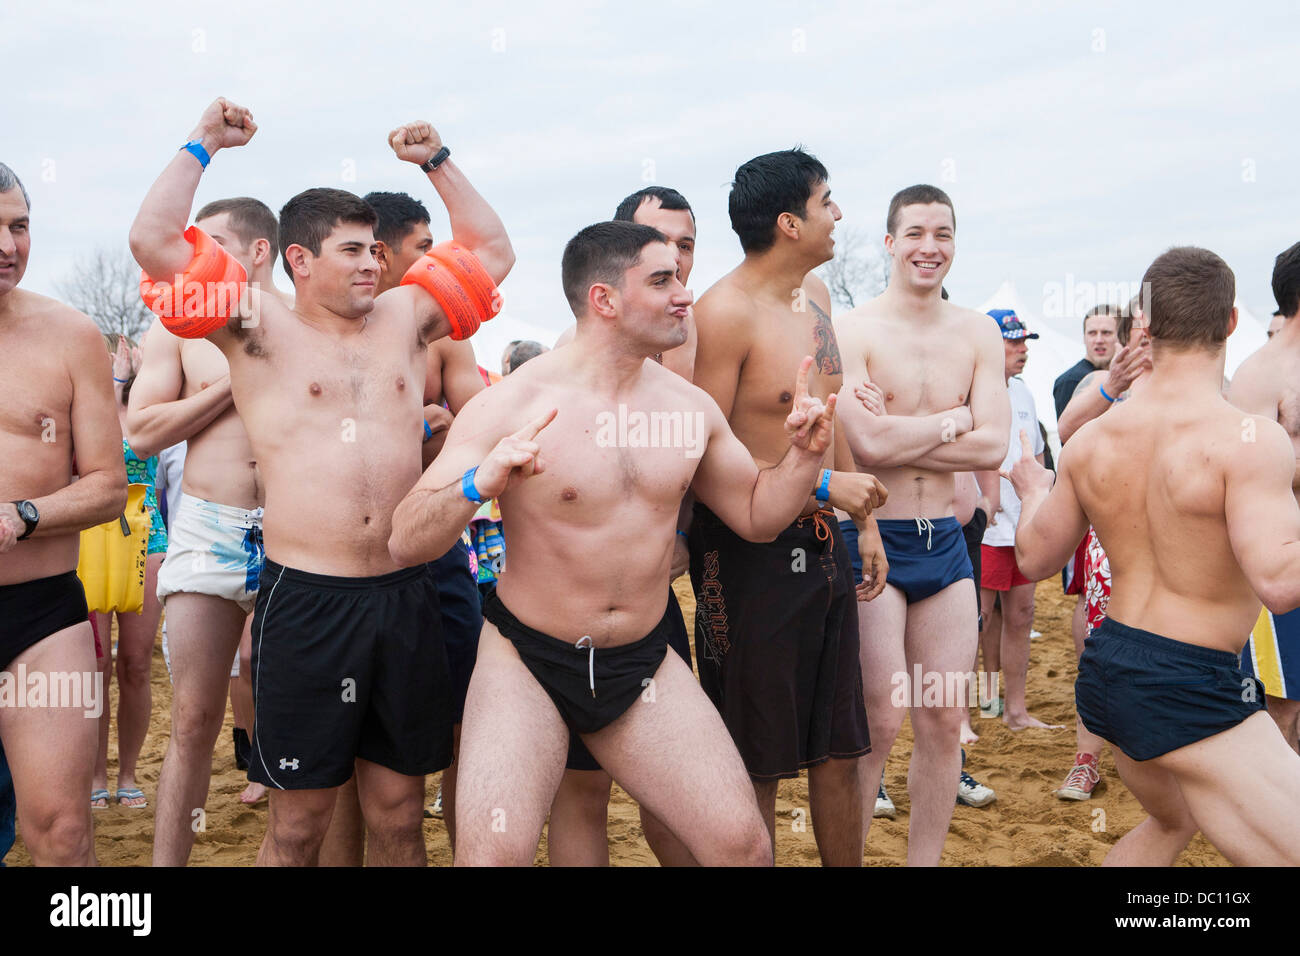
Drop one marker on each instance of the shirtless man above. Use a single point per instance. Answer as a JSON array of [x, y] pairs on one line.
[[578, 517], [331, 394], [209, 582], [1190, 549], [577, 831], [776, 624], [1093, 395], [56, 401], [667, 210], [941, 370], [1268, 384], [403, 236]]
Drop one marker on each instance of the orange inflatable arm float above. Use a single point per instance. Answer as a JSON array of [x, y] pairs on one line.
[[461, 286], [204, 296]]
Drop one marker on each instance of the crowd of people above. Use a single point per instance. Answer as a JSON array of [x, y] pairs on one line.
[[393, 563]]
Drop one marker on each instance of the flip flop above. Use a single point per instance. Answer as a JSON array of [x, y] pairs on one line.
[[98, 795], [132, 794]]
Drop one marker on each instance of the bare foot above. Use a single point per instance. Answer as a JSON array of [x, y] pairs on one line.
[[1024, 721], [968, 735], [253, 793]]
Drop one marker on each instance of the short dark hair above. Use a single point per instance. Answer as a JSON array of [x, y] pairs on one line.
[[1286, 281], [602, 253], [668, 199], [767, 186], [250, 219], [310, 216], [521, 352], [921, 195], [1115, 311], [398, 213], [1191, 294]]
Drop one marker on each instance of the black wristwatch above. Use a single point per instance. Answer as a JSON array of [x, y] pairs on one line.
[[436, 160], [27, 511]]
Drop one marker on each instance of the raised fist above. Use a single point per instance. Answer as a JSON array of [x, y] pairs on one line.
[[224, 124], [415, 142]]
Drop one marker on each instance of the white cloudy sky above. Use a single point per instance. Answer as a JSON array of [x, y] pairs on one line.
[[1077, 140]]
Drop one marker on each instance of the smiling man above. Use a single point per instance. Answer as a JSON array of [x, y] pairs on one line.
[[348, 659], [940, 368]]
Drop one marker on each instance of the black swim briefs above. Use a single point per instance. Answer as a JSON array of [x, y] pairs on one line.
[[33, 610], [568, 672]]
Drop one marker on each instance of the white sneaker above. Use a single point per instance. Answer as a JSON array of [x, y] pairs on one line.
[[884, 806], [972, 793]]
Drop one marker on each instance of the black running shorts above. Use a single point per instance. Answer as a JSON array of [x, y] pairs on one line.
[[346, 668]]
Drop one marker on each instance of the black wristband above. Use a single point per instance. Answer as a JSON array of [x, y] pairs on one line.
[[436, 160]]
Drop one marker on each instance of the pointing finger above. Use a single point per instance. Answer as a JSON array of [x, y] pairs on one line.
[[801, 380], [529, 431]]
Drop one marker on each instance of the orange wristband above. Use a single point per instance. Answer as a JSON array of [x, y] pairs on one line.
[[204, 296], [459, 284]]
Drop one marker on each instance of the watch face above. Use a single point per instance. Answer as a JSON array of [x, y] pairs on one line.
[[27, 511]]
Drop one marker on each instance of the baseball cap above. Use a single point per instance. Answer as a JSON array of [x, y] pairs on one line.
[[1010, 325]]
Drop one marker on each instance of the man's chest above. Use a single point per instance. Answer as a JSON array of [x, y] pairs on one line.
[[919, 373], [35, 394], [201, 364], [778, 345], [600, 456]]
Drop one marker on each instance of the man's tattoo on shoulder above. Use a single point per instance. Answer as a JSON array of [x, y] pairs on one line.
[[1085, 383], [827, 355]]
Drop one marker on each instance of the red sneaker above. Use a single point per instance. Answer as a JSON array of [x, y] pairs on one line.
[[1082, 779]]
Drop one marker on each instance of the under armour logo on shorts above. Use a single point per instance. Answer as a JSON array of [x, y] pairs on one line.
[[287, 764]]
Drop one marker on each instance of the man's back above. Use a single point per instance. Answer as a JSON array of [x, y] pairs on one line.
[[1161, 514]]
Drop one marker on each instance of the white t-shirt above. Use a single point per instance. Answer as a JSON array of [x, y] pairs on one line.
[[1024, 415]]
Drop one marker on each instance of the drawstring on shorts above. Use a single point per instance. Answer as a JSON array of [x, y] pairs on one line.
[[926, 527], [585, 643]]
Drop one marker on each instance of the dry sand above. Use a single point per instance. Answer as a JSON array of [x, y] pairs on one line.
[[1026, 826]]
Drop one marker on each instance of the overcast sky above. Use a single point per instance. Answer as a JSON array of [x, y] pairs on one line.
[[1077, 141]]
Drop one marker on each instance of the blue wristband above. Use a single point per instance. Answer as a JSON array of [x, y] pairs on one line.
[[428, 432], [824, 489], [1102, 388], [195, 149], [468, 489], [684, 534]]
